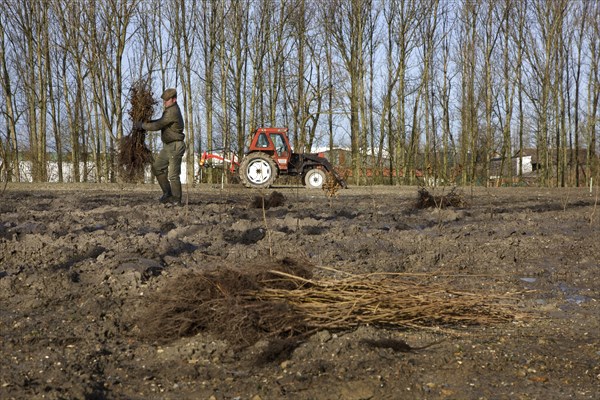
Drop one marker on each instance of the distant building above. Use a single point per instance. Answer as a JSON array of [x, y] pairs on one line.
[[531, 164], [510, 167]]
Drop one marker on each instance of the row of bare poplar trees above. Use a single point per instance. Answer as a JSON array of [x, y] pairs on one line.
[[435, 87]]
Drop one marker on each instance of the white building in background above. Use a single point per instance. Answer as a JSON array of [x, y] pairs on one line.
[[512, 165]]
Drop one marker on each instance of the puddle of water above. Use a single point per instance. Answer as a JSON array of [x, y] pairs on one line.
[[528, 280], [571, 294], [577, 299]]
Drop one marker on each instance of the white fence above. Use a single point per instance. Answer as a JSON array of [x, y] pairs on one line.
[[26, 172]]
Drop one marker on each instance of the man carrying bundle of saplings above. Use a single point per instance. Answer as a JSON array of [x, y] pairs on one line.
[[167, 166]]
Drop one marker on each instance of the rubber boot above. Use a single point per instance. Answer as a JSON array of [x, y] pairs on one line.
[[165, 185], [175, 198]]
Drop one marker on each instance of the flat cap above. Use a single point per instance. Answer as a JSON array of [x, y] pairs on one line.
[[169, 94]]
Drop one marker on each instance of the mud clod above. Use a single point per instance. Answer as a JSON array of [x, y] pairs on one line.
[[398, 345], [275, 199]]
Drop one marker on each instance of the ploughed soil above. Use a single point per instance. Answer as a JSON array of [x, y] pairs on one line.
[[106, 294]]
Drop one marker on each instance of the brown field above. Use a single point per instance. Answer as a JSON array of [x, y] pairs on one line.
[[105, 294]]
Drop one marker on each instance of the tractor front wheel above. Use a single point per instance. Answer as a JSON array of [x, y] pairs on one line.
[[258, 170], [315, 178]]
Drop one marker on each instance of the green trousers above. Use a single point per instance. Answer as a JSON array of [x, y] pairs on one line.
[[169, 160]]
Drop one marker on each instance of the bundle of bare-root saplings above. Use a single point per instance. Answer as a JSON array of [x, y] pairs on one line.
[[134, 154], [283, 300]]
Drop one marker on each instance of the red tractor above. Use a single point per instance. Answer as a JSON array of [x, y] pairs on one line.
[[270, 155]]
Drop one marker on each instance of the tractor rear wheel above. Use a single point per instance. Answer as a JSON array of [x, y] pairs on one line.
[[258, 170], [315, 178]]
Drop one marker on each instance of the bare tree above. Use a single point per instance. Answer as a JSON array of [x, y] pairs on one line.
[[593, 89], [491, 35], [520, 40], [330, 91], [239, 65], [561, 60], [509, 86], [468, 108], [30, 22], [298, 27], [107, 33], [581, 10], [259, 36], [346, 21], [210, 22], [367, 105], [448, 145], [10, 163], [403, 18], [183, 17], [426, 91], [72, 78], [224, 70], [277, 42], [542, 52], [305, 74]]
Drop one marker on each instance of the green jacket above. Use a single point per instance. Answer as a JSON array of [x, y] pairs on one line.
[[170, 124]]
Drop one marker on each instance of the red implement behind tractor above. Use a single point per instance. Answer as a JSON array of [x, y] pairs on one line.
[[270, 155], [219, 158]]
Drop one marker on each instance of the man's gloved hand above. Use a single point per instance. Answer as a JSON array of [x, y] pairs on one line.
[[137, 125]]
